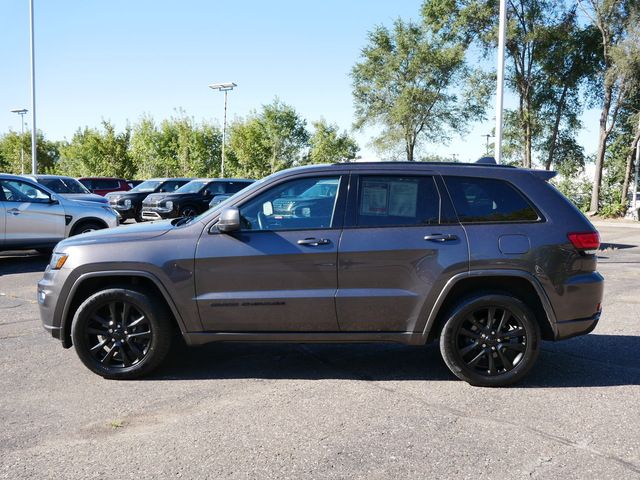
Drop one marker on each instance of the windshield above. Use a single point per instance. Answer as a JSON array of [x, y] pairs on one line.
[[194, 186], [63, 185], [147, 186]]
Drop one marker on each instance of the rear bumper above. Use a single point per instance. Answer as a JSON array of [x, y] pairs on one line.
[[578, 305], [574, 328]]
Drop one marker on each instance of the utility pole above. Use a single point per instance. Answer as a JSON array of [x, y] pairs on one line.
[[21, 112], [223, 87], [488, 136], [34, 141], [502, 33]]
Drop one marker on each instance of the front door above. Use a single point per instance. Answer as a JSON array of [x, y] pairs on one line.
[[278, 273], [397, 250], [31, 217]]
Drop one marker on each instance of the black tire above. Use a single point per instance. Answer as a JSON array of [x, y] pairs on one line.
[[188, 211], [84, 227], [121, 333], [492, 353]]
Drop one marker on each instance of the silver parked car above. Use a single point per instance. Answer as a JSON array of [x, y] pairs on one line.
[[67, 187], [32, 216]]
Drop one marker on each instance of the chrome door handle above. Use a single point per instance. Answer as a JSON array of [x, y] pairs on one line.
[[440, 237], [13, 211], [314, 242]]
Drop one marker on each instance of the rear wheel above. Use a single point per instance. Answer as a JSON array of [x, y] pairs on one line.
[[121, 333], [490, 340]]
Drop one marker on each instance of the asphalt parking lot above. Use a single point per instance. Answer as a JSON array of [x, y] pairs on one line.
[[323, 411]]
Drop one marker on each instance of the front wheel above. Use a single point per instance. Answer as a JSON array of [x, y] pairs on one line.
[[490, 340], [121, 333], [188, 211]]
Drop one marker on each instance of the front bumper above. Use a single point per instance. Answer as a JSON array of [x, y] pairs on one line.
[[49, 289], [156, 213]]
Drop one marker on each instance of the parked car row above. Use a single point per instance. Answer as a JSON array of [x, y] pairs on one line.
[[40, 210], [37, 212]]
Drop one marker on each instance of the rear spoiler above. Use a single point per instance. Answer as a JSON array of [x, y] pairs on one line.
[[545, 175]]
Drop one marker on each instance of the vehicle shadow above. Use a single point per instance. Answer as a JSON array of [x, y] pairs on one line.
[[590, 361], [23, 262]]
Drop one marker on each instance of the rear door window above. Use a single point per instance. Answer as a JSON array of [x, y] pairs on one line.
[[106, 184], [397, 201], [489, 200]]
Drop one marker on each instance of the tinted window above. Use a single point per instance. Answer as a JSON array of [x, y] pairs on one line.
[[294, 205], [17, 191], [234, 187], [397, 200], [63, 185], [172, 185], [106, 184], [488, 200]]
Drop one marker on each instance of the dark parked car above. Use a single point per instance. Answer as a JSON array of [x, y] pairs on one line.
[[490, 260], [190, 199], [67, 187], [129, 204], [104, 185], [134, 183]]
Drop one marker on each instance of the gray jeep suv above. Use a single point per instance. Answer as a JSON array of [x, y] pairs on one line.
[[488, 259]]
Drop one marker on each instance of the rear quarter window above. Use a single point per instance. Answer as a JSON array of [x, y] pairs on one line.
[[489, 200]]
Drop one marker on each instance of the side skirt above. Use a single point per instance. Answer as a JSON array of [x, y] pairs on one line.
[[201, 338]]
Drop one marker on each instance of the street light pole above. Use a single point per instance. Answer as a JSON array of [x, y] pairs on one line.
[[34, 150], [500, 90], [21, 112], [223, 87]]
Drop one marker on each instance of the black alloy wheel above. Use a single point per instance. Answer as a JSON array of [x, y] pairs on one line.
[[490, 340], [121, 333], [188, 211]]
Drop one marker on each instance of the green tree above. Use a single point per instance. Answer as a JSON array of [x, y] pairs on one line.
[[177, 147], [11, 144], [619, 55], [268, 141], [328, 145], [102, 152], [408, 80]]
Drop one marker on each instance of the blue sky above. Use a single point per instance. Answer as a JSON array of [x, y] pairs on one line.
[[119, 59]]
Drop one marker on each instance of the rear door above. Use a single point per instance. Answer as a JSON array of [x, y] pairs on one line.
[[399, 246]]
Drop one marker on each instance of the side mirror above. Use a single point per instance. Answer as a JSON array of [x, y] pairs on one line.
[[229, 220], [53, 200]]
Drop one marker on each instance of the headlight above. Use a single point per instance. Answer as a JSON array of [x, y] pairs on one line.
[[168, 205], [58, 260], [127, 202]]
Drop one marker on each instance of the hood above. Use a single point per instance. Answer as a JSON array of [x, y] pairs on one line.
[[156, 197], [85, 197], [129, 194], [138, 231]]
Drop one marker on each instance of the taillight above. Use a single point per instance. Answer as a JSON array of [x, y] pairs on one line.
[[585, 240]]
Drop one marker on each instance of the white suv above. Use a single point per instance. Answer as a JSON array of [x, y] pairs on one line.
[[32, 216]]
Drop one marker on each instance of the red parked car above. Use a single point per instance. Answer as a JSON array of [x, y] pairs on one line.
[[104, 185]]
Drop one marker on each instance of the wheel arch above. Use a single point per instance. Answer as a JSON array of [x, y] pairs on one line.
[[89, 283], [83, 220], [517, 283]]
